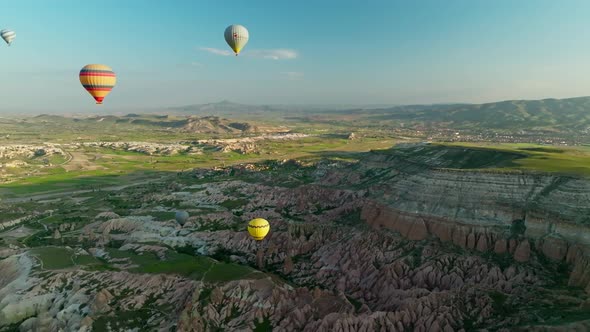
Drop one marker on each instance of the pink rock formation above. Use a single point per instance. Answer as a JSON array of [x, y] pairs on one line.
[[522, 252], [554, 248], [408, 225], [500, 246]]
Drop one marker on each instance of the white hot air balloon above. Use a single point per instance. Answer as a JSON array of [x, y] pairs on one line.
[[236, 37], [8, 36], [181, 217]]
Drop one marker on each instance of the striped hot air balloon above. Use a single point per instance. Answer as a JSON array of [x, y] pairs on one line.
[[8, 36], [98, 80], [236, 37]]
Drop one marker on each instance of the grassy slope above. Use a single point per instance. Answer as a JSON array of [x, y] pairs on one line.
[[540, 158], [195, 267], [54, 257]]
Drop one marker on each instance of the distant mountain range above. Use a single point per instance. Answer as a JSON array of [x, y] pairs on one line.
[[571, 113], [227, 108], [551, 114], [221, 108], [189, 124]]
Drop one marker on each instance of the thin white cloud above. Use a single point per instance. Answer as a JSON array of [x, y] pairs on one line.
[[272, 54], [216, 51], [276, 54], [293, 75]]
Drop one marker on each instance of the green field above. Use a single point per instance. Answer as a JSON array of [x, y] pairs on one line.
[[87, 260], [54, 258], [116, 168], [542, 158], [121, 168], [194, 267], [222, 272]]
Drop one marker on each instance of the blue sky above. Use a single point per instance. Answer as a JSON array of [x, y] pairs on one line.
[[169, 53]]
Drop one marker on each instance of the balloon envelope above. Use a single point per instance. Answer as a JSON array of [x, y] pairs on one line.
[[258, 228], [98, 80], [236, 37], [181, 217], [8, 36]]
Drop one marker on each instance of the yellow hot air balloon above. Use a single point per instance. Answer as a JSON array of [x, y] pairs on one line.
[[98, 80], [258, 228]]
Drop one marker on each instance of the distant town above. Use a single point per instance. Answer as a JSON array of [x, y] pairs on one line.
[[495, 136]]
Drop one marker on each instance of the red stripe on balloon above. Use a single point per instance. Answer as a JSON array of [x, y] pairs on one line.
[[98, 74]]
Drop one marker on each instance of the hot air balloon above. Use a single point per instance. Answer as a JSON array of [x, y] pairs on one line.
[[181, 217], [258, 228], [236, 37], [98, 80], [8, 36]]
